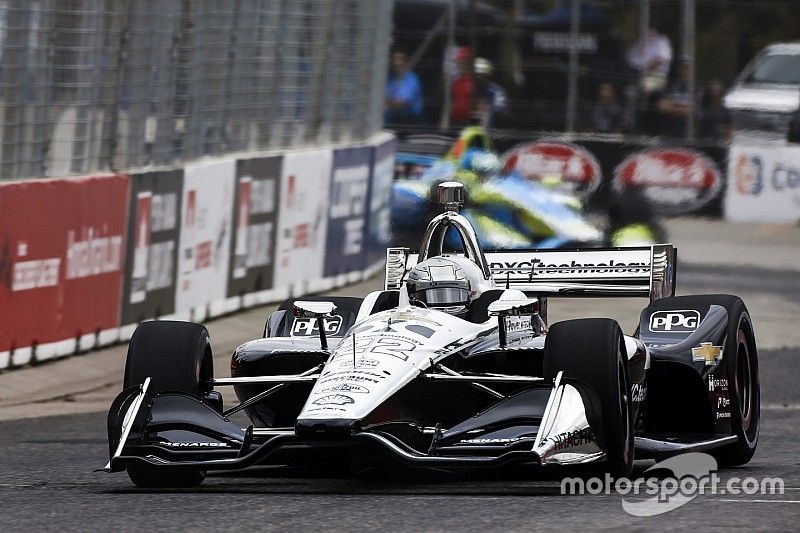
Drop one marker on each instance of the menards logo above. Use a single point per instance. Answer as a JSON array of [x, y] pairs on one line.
[[195, 444]]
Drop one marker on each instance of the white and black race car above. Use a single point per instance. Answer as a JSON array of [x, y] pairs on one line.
[[452, 366]]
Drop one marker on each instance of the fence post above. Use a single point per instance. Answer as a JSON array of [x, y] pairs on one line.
[[572, 87], [444, 122], [689, 53]]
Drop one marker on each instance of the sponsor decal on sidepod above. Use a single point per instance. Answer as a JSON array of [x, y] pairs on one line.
[[305, 327], [675, 321], [707, 353]]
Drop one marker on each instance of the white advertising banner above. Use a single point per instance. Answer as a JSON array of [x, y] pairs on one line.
[[205, 233], [302, 216], [763, 184]]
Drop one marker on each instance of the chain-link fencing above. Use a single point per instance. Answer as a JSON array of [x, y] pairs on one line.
[[88, 85]]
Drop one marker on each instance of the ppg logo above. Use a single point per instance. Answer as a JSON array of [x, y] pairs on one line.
[[675, 321], [305, 327]]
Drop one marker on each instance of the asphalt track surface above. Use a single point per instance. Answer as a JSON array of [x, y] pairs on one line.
[[46, 462]]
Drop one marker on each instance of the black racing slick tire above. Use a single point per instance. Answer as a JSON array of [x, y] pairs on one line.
[[177, 357], [591, 351], [740, 358]]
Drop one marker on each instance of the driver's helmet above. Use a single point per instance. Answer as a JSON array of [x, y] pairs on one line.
[[446, 283], [483, 163]]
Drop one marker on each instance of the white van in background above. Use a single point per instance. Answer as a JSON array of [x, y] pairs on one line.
[[766, 96]]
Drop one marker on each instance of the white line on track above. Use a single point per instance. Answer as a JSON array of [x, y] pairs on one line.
[[758, 501], [780, 407]]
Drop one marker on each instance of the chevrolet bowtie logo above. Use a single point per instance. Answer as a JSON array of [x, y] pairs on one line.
[[707, 352]]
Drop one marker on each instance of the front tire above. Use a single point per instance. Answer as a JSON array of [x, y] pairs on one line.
[[591, 350], [177, 357]]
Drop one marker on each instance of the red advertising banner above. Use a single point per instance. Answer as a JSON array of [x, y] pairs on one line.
[[675, 180], [62, 251], [575, 166]]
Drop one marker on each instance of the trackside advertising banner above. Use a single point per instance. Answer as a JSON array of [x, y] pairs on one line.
[[763, 184], [255, 213], [62, 251], [347, 212], [154, 216], [82, 259], [205, 233], [380, 197], [302, 216], [675, 180], [576, 166]]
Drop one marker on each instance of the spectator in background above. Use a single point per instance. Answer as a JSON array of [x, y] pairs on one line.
[[607, 115], [491, 102], [715, 121], [651, 56], [462, 88], [675, 104], [403, 93]]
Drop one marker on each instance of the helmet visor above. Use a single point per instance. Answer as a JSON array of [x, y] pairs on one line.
[[442, 296]]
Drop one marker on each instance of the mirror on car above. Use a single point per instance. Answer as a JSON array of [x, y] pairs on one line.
[[451, 195], [513, 303], [308, 309]]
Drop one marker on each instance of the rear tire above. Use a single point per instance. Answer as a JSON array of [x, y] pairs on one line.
[[743, 384], [739, 366], [177, 357], [591, 350]]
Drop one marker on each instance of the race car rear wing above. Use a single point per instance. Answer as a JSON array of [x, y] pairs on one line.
[[646, 271]]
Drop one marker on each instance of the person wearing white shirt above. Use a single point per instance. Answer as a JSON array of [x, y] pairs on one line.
[[652, 57]]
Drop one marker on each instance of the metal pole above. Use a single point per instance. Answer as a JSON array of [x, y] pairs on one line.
[[644, 19], [473, 38], [434, 32], [644, 28], [572, 91], [444, 122], [689, 52]]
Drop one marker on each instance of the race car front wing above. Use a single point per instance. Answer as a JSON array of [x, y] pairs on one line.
[[174, 429]]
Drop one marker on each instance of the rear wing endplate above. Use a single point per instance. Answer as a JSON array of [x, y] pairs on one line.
[[645, 271]]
